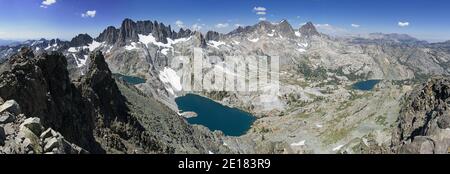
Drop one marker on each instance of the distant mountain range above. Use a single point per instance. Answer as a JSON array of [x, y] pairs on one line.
[[7, 42]]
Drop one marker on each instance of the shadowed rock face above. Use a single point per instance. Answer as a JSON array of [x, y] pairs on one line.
[[309, 30], [92, 112], [212, 35], [130, 30], [81, 40], [42, 87], [109, 35], [286, 29], [424, 119]]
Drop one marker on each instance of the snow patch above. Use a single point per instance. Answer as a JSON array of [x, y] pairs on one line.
[[151, 39], [298, 34], [72, 50], [338, 148], [300, 143], [304, 45], [171, 42], [271, 34], [165, 51], [169, 77], [216, 44], [94, 45], [253, 40], [83, 61], [132, 46], [301, 50]]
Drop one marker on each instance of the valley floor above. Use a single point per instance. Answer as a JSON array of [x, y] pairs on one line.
[[339, 122]]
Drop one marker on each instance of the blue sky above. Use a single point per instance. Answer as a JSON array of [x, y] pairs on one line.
[[31, 19]]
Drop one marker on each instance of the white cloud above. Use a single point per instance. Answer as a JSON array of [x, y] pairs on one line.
[[47, 3], [89, 13], [196, 27], [259, 9], [179, 24], [261, 13], [322, 25], [356, 25], [220, 25], [237, 25], [403, 24]]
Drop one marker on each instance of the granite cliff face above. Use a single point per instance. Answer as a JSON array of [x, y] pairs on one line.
[[130, 30]]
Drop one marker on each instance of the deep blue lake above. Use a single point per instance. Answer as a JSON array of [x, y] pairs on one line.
[[132, 80], [365, 85], [215, 116]]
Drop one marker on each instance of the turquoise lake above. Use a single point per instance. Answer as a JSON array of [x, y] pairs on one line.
[[365, 85], [132, 80], [215, 116]]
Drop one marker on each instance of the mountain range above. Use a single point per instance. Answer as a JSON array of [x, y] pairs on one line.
[[315, 110]]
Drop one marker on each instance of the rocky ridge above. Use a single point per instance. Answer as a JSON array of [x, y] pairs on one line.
[[424, 121], [92, 112]]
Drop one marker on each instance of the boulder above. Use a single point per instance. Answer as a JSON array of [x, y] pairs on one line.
[[51, 144], [11, 106], [420, 145], [48, 133], [6, 117], [33, 124]]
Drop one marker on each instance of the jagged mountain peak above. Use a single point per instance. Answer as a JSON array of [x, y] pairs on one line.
[[109, 35], [285, 28], [308, 30], [213, 35], [81, 40]]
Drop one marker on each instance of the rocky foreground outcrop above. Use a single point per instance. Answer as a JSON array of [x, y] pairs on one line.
[[22, 135], [424, 121], [94, 112]]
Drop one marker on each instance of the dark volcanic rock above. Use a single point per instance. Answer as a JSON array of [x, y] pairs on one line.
[[110, 35], [308, 30], [424, 119], [81, 40], [212, 35]]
